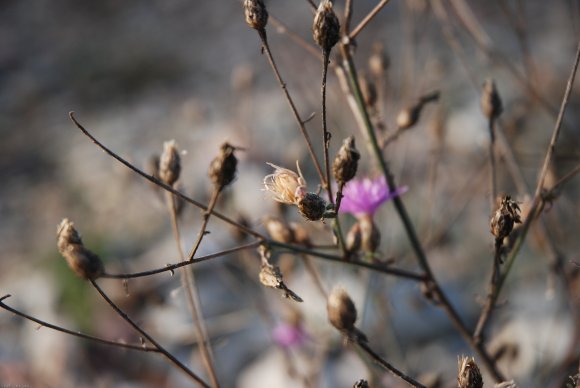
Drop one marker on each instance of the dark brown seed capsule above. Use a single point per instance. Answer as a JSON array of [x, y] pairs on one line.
[[312, 206], [169, 163], [222, 170], [346, 162], [469, 375], [81, 261], [326, 27], [256, 14]]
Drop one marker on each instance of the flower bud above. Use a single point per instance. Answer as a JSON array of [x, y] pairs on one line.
[[368, 90], [341, 310], [81, 261], [379, 60], [502, 221], [278, 230], [346, 161], [270, 276], [256, 14], [326, 27], [312, 206], [169, 163], [408, 117], [370, 236], [491, 105], [222, 170], [469, 375], [353, 239]]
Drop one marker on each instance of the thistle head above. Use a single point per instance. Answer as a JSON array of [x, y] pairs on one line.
[[285, 185]]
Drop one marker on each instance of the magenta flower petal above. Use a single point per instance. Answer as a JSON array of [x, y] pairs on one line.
[[289, 336], [366, 195]]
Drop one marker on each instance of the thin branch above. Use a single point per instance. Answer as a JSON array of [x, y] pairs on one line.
[[212, 202], [172, 267], [142, 348], [157, 182], [166, 353], [367, 19], [192, 295], [299, 121], [387, 366], [347, 16], [325, 134], [492, 164]]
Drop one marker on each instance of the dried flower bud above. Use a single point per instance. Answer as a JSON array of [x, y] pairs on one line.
[[270, 276], [490, 101], [370, 234], [346, 161], [469, 375], [83, 262], [285, 185], [256, 14], [502, 221], [378, 61], [408, 117], [312, 206], [362, 383], [170, 163], [278, 230], [368, 90], [301, 235], [342, 314], [222, 170], [326, 27]]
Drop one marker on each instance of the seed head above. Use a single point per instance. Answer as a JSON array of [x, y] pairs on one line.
[[326, 27], [222, 170], [469, 375], [502, 221], [341, 310], [278, 230], [285, 185], [346, 161], [256, 14], [379, 60], [490, 101], [312, 206], [408, 117], [169, 163], [81, 261], [361, 384], [368, 90]]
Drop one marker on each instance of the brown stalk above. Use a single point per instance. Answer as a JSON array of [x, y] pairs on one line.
[[367, 19]]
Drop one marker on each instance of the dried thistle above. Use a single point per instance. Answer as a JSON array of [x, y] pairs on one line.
[[256, 14], [285, 185], [222, 170], [502, 221], [409, 116], [313, 207], [342, 314], [169, 163], [364, 236], [346, 162], [468, 375], [326, 27], [81, 261], [491, 105], [270, 276]]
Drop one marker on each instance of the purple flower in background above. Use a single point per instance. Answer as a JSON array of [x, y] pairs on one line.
[[289, 336], [364, 196]]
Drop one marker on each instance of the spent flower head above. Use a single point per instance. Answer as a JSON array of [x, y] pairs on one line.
[[285, 185], [364, 196]]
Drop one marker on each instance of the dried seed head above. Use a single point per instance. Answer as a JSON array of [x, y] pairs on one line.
[[169, 163], [346, 161], [368, 89], [270, 276], [378, 61], [278, 230], [256, 14], [341, 310], [469, 375], [361, 384], [83, 262], [285, 185], [353, 239], [326, 27], [222, 170], [503, 219], [490, 101], [370, 236], [409, 116], [312, 206]]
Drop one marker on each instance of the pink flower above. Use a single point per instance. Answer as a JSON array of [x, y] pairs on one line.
[[363, 197], [289, 336]]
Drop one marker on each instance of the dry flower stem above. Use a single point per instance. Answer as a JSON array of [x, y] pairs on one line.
[[166, 353], [367, 19], [172, 267], [384, 364], [492, 164], [409, 228], [157, 182], [142, 348], [299, 121], [347, 16], [537, 202], [212, 202], [325, 134], [192, 297]]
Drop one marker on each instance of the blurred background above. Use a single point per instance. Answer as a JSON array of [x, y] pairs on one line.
[[141, 73]]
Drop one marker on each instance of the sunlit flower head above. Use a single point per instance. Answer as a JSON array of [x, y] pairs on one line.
[[364, 196], [285, 185]]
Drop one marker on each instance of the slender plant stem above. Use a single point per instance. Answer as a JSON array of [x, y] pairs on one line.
[[387, 366], [157, 182], [315, 274], [192, 296], [212, 202], [325, 134], [142, 348], [299, 121], [347, 16], [166, 353], [492, 165], [172, 267], [408, 225], [367, 19]]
